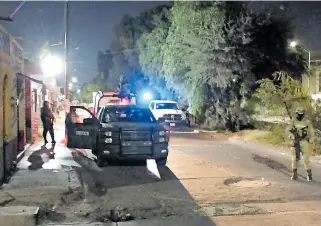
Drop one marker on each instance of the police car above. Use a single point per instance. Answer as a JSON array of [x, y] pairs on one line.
[[120, 132]]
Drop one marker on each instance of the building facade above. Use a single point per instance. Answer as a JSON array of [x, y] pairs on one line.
[[11, 102]]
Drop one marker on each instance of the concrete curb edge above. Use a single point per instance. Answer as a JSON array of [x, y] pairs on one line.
[[22, 154]]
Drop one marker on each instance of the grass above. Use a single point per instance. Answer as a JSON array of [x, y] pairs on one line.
[[275, 136]]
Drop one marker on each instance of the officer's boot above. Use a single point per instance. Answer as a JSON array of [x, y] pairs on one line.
[[309, 176], [294, 174]]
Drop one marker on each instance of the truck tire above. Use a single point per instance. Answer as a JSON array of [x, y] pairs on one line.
[[161, 162], [94, 152], [101, 162]]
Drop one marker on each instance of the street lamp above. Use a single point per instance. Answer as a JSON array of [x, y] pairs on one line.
[[293, 44], [74, 79], [51, 65], [78, 90]]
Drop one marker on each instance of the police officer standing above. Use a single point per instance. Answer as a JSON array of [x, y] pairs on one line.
[[305, 138], [47, 119]]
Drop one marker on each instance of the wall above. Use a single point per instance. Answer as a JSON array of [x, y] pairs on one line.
[[36, 99], [10, 64]]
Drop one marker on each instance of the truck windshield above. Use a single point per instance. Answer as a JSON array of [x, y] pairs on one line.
[[127, 114], [167, 106]]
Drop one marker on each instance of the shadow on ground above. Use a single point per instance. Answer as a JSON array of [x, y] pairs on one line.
[[37, 157], [122, 193]]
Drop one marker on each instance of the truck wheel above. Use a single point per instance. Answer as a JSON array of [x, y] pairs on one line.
[[161, 162], [94, 152], [188, 123], [101, 162]]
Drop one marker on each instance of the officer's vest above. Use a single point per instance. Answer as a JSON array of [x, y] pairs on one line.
[[302, 128]]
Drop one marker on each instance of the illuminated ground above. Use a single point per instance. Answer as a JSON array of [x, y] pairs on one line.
[[228, 183]]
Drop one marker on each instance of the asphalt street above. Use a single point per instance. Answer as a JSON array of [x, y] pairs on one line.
[[213, 181]]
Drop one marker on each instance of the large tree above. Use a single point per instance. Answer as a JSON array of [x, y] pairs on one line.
[[128, 32], [213, 52]]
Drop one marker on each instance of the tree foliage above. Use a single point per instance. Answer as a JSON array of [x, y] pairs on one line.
[[214, 52], [209, 54], [86, 91], [282, 92]]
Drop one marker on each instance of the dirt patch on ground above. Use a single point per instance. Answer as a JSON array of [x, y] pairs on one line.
[[230, 210], [48, 213], [270, 163], [246, 182], [73, 205], [71, 196]]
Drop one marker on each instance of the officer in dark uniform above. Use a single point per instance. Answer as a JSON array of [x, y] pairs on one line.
[[47, 119]]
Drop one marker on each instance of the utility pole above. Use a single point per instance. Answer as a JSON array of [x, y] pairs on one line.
[[66, 49]]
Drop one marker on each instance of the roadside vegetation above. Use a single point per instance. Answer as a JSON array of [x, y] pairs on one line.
[[280, 96], [225, 60]]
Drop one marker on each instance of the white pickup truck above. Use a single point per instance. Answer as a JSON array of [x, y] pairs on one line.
[[169, 112]]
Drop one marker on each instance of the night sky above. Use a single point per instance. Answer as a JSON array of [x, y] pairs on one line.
[[91, 26]]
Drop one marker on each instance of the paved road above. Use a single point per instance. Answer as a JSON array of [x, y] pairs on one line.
[[225, 182]]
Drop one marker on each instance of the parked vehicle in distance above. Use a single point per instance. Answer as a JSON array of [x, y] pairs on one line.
[[168, 112]]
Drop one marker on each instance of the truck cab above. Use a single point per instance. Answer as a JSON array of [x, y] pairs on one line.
[[168, 112], [120, 132]]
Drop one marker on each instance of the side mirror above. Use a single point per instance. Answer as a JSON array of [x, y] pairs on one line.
[[161, 119]]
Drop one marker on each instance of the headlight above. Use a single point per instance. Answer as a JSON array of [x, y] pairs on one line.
[[161, 136], [108, 140], [108, 134]]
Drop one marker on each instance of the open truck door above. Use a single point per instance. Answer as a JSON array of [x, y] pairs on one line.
[[82, 128]]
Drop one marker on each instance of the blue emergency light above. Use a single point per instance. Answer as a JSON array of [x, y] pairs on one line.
[[147, 96]]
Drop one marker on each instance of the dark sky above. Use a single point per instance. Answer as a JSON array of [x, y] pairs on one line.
[[91, 26]]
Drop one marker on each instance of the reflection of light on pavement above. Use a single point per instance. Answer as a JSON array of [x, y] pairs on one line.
[[152, 167], [45, 157], [51, 164], [24, 164]]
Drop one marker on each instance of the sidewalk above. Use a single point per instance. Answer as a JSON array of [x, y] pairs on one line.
[[39, 168]]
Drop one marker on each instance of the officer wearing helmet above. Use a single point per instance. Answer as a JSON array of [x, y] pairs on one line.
[[304, 136]]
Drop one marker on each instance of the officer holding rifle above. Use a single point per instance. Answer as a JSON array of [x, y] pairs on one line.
[[303, 136]]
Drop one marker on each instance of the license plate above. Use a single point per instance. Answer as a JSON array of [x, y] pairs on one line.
[[171, 124]]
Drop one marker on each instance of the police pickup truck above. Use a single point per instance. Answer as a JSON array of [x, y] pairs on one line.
[[120, 132]]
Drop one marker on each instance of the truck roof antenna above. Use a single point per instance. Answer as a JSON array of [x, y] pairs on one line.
[[17, 9], [9, 18]]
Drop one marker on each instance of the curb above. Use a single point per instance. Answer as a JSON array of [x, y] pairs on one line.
[[195, 131], [22, 154], [19, 215], [209, 131]]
